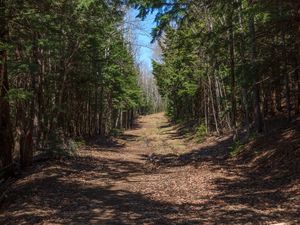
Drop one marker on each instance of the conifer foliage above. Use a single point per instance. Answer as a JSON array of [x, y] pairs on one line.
[[69, 71], [228, 63]]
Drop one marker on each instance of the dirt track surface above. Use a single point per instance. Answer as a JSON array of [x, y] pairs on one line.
[[151, 176]]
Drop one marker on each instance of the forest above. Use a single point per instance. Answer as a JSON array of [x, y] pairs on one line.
[[66, 72], [225, 89], [229, 64]]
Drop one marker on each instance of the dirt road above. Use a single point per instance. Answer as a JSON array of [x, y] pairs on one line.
[[151, 176]]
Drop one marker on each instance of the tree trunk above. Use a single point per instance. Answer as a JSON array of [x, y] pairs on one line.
[[285, 71], [6, 138], [213, 102], [132, 118], [27, 145], [297, 9], [244, 85], [256, 86], [297, 86], [232, 71], [100, 125]]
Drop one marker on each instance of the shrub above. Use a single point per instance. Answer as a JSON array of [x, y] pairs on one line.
[[201, 133], [236, 148], [116, 132], [58, 146]]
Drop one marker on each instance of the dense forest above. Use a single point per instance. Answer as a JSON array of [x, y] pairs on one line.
[[66, 72], [228, 64], [94, 130]]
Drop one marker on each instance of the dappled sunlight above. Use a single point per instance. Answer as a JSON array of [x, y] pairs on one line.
[[131, 182]]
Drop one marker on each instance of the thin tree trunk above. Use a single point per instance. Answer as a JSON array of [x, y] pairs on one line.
[[27, 144], [213, 103], [256, 86], [285, 71], [6, 138], [297, 9], [101, 108], [297, 87], [232, 71]]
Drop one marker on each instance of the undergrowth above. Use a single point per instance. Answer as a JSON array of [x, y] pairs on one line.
[[59, 146], [236, 148], [116, 132], [201, 133]]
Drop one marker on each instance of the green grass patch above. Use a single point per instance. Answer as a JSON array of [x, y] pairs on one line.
[[236, 148], [201, 133]]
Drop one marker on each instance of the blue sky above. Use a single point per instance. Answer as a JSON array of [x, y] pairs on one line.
[[142, 32]]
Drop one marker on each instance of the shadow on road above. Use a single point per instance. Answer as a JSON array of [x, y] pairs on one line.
[[60, 195], [83, 190]]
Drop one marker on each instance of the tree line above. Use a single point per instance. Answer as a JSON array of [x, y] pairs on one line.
[[228, 64], [66, 71]]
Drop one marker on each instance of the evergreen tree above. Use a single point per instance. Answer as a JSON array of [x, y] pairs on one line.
[[227, 64]]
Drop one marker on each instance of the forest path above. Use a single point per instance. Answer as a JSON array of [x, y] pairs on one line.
[[151, 176]]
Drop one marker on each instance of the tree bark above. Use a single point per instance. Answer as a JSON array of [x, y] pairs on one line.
[[232, 71], [297, 10], [256, 87], [6, 138]]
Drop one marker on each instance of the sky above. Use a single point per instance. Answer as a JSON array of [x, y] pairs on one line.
[[142, 34]]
